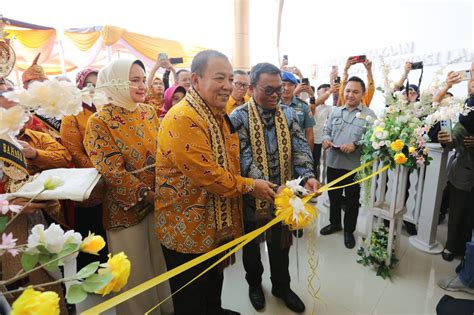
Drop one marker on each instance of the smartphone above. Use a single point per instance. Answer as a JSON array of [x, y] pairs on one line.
[[337, 80], [465, 75], [359, 59], [174, 61], [446, 127], [285, 60], [163, 56], [305, 81]]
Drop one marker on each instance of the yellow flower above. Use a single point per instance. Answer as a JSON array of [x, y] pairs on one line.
[[92, 244], [411, 150], [36, 302], [52, 183], [400, 158], [296, 213], [397, 145], [119, 267]]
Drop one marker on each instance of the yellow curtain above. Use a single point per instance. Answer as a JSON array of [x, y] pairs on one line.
[[152, 46], [83, 41], [33, 39], [111, 34]]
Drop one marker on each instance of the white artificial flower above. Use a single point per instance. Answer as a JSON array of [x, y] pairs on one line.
[[54, 238], [298, 207], [376, 122], [12, 120], [36, 238], [71, 237], [376, 145], [358, 115], [369, 119], [100, 99], [295, 186]]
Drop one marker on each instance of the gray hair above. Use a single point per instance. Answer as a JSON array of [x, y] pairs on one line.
[[201, 60]]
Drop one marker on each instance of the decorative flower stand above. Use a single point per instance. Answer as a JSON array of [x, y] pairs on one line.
[[392, 209], [430, 205]]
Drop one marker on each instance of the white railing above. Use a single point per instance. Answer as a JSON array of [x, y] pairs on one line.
[[423, 201]]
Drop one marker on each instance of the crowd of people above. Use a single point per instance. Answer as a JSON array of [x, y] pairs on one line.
[[194, 158]]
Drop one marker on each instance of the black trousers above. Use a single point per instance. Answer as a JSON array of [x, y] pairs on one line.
[[278, 257], [352, 194], [460, 221], [203, 296], [317, 158], [90, 220]]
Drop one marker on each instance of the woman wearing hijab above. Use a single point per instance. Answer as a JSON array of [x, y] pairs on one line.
[[155, 95], [88, 214], [172, 96], [120, 140]]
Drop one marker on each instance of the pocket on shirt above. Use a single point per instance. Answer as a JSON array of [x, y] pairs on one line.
[[336, 124]]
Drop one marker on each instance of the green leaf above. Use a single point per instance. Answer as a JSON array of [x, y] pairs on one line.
[[68, 249], [28, 261], [3, 223], [88, 270], [76, 294], [45, 260], [96, 282]]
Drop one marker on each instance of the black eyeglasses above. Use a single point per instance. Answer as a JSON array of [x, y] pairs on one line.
[[270, 90], [241, 85]]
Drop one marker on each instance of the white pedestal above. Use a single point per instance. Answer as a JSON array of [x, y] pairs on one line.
[[434, 248], [435, 181]]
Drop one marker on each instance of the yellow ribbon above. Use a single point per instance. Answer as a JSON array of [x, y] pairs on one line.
[[237, 244]]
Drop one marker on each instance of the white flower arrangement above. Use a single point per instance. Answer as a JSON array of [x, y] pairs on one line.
[[12, 120], [54, 239]]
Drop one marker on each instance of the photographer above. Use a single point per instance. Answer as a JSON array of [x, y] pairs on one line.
[[413, 90], [162, 61], [370, 80], [288, 98]]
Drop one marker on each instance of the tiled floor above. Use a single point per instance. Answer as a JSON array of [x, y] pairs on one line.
[[347, 287]]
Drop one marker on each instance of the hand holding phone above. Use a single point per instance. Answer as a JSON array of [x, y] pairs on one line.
[[358, 59], [447, 128], [465, 75], [305, 81], [162, 56]]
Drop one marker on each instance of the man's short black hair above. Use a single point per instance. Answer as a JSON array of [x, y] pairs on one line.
[[201, 60], [181, 71], [357, 79], [240, 72], [450, 94], [262, 68], [323, 86]]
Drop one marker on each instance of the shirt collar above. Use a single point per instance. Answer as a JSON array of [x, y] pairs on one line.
[[359, 107]]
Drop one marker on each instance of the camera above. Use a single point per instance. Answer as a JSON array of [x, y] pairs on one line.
[[417, 65], [305, 81]]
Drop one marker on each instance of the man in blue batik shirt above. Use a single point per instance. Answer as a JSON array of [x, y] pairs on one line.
[[272, 147]]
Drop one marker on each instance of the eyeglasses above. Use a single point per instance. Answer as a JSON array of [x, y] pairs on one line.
[[241, 85], [270, 90]]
